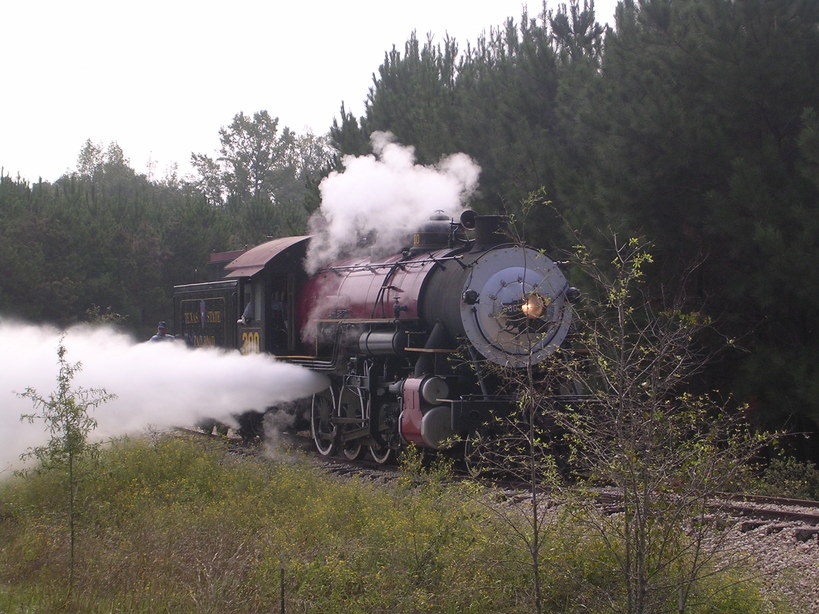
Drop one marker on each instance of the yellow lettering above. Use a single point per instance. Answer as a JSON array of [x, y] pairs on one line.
[[251, 343], [211, 317]]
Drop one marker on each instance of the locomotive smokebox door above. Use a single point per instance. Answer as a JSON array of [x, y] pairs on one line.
[[514, 308], [508, 301]]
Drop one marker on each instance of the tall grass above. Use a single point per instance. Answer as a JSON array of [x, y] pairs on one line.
[[171, 526]]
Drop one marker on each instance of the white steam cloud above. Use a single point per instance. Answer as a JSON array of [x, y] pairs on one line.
[[157, 384], [383, 198]]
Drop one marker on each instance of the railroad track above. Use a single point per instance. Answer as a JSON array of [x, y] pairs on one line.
[[302, 442], [750, 511], [773, 513]]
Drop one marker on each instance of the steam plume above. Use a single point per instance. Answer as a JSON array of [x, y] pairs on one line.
[[157, 384], [385, 197]]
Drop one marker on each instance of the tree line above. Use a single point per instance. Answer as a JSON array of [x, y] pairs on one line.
[[106, 240], [690, 122]]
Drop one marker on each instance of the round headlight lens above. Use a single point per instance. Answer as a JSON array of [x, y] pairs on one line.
[[533, 306]]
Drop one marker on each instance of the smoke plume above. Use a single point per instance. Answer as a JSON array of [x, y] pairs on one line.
[[157, 384], [380, 199]]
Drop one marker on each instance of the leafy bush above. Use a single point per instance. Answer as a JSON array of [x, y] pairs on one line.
[[171, 526], [787, 477]]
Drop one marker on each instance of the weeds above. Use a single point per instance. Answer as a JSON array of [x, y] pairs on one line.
[[169, 526], [786, 476]]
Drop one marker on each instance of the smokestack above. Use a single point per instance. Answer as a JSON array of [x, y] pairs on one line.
[[491, 230]]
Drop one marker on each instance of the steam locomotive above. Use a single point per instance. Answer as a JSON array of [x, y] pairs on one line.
[[411, 341]]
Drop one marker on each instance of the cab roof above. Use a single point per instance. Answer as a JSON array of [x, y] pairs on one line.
[[256, 258]]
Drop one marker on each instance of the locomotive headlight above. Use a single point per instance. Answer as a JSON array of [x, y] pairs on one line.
[[534, 306]]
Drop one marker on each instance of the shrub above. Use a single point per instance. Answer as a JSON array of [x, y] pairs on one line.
[[787, 477], [172, 526]]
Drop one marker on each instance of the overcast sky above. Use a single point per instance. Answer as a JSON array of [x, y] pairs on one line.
[[160, 77]]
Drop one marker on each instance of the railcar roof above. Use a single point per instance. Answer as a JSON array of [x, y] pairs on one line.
[[255, 259]]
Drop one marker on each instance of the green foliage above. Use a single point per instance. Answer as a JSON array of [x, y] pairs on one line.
[[172, 525], [495, 100], [413, 97], [104, 235], [785, 476], [65, 413], [92, 239], [615, 408], [98, 315], [262, 174], [695, 148], [640, 429], [692, 122]]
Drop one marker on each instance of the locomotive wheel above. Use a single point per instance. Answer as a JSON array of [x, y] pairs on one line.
[[351, 405], [381, 455], [352, 450], [324, 432]]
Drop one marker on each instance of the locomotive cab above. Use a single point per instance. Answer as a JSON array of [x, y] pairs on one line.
[[254, 301], [270, 275]]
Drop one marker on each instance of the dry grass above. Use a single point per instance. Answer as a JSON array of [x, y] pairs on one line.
[[170, 526]]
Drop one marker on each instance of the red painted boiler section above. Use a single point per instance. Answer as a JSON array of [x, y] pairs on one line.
[[366, 289]]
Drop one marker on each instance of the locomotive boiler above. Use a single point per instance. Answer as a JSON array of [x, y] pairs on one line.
[[412, 342]]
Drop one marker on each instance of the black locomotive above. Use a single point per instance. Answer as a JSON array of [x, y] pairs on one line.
[[410, 341]]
